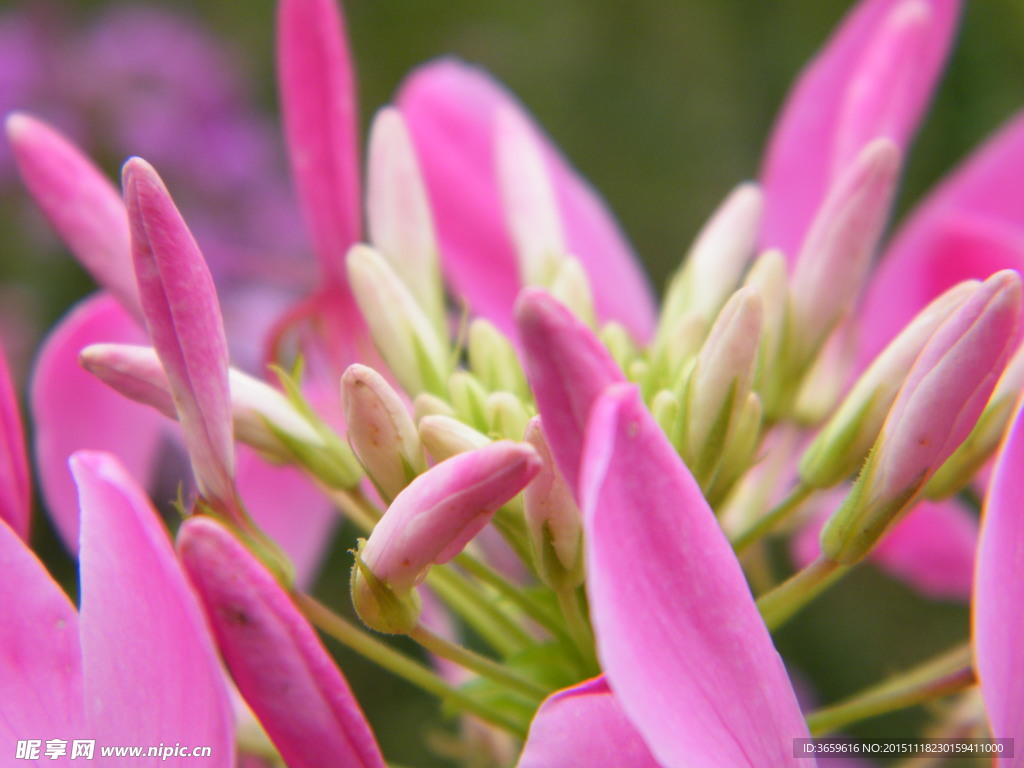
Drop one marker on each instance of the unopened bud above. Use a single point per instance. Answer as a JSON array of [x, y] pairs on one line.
[[429, 523], [444, 437], [845, 440], [493, 359], [381, 430], [937, 407], [407, 341], [571, 287], [553, 520], [469, 400], [506, 415], [398, 213]]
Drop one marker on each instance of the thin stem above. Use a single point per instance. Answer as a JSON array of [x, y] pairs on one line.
[[401, 665], [355, 506], [579, 627], [772, 518], [793, 594], [483, 666], [506, 589], [942, 676], [478, 611]]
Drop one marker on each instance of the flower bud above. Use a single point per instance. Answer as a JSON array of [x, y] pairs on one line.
[[571, 287], [445, 436], [398, 213], [716, 261], [837, 251], [506, 415], [469, 399], [528, 198], [553, 519], [967, 460], [936, 408], [769, 276], [381, 431], [407, 341], [719, 385], [429, 523], [493, 359], [842, 444]]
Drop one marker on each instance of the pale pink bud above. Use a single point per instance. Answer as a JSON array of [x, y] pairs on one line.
[[183, 316], [80, 202], [432, 520], [445, 436], [834, 260], [398, 212], [136, 373], [381, 430], [935, 410], [528, 196], [553, 519]]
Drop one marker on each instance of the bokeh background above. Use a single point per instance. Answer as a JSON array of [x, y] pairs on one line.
[[663, 105]]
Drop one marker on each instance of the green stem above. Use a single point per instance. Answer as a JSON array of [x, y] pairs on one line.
[[942, 676], [401, 665], [772, 518], [355, 506], [513, 594], [474, 662], [793, 594], [478, 611], [579, 627]]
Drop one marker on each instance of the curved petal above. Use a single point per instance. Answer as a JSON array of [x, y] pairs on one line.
[[15, 483], [72, 409], [999, 592], [971, 226], [678, 634], [318, 101], [873, 78], [451, 108], [290, 509], [150, 668], [275, 657], [584, 727], [568, 368], [40, 658], [184, 320]]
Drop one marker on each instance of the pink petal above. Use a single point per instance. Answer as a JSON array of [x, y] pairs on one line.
[[151, 670], [678, 634], [71, 409], [451, 108], [584, 727], [844, 98], [970, 227], [999, 592], [289, 508], [81, 203], [318, 100], [40, 658], [568, 367], [274, 656], [15, 484], [185, 325]]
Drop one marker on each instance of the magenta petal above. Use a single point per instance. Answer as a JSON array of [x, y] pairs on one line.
[[800, 159], [40, 658], [970, 227], [275, 657], [999, 592], [185, 325], [15, 484], [318, 100], [584, 727], [82, 205], [151, 671], [290, 509], [568, 367], [451, 109], [678, 634], [73, 410]]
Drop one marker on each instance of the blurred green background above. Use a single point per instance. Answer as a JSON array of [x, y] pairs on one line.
[[664, 106]]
